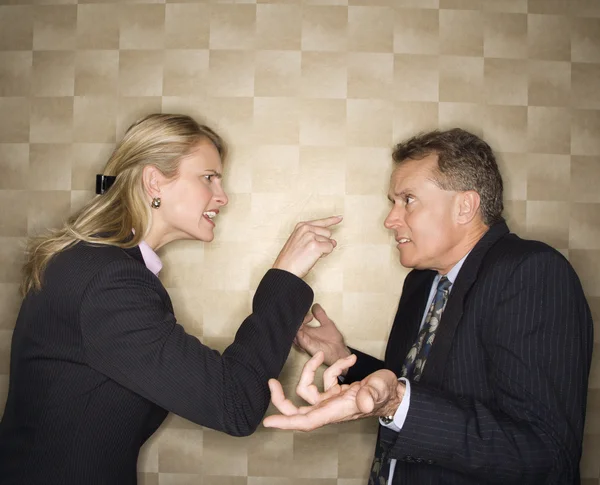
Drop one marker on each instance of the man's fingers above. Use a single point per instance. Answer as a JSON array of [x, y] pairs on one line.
[[285, 406], [300, 336], [318, 310], [308, 318], [320, 315], [366, 398], [331, 374], [298, 347], [382, 382], [303, 339], [375, 390]]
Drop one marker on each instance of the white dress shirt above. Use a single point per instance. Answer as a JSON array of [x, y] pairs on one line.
[[401, 413]]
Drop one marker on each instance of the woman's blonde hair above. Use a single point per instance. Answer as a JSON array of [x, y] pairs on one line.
[[160, 140]]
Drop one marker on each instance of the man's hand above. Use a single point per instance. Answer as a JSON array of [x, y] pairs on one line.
[[378, 394], [325, 338]]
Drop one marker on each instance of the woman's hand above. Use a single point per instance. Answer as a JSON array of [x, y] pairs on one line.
[[308, 242]]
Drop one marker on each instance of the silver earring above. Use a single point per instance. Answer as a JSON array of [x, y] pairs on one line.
[[155, 204]]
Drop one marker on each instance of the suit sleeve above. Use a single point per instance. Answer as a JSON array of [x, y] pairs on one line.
[[132, 337], [539, 342], [365, 365]]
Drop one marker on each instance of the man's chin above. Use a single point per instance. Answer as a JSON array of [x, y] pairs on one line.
[[408, 262]]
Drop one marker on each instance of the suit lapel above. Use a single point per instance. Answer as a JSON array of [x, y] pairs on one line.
[[408, 318], [433, 373]]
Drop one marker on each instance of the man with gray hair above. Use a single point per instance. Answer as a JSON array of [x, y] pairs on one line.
[[485, 373]]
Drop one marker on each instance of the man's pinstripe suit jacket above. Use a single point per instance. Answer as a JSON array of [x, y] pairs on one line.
[[502, 397]]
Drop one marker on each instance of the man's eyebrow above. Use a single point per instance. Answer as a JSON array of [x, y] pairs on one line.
[[403, 192], [400, 194]]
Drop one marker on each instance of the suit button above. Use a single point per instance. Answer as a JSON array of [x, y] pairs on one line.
[[430, 462], [408, 458]]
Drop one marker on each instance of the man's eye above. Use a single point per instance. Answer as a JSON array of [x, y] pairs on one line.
[[409, 199]]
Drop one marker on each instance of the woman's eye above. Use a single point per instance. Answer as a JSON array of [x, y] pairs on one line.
[[209, 177]]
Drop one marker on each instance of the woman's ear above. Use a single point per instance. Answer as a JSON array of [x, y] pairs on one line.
[[152, 179], [468, 206]]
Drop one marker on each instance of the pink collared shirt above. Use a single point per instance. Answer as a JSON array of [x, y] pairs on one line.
[[151, 259]]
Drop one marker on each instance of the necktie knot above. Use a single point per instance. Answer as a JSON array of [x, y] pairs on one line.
[[444, 284]]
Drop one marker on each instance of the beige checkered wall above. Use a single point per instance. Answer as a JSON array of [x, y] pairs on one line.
[[311, 95]]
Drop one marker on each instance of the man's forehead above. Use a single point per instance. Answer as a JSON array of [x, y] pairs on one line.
[[411, 172]]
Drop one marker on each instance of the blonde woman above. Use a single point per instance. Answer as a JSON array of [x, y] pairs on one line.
[[98, 358]]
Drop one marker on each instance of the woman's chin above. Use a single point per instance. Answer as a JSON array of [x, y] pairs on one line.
[[204, 236]]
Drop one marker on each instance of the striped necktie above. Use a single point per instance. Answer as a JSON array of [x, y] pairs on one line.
[[413, 368]]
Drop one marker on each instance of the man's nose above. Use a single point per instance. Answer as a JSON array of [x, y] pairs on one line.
[[394, 218]]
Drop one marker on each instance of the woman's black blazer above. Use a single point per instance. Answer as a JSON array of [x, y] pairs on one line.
[[98, 359]]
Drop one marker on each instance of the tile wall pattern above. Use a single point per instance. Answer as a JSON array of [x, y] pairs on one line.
[[311, 94]]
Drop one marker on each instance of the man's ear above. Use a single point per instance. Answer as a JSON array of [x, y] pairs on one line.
[[152, 179], [468, 204]]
